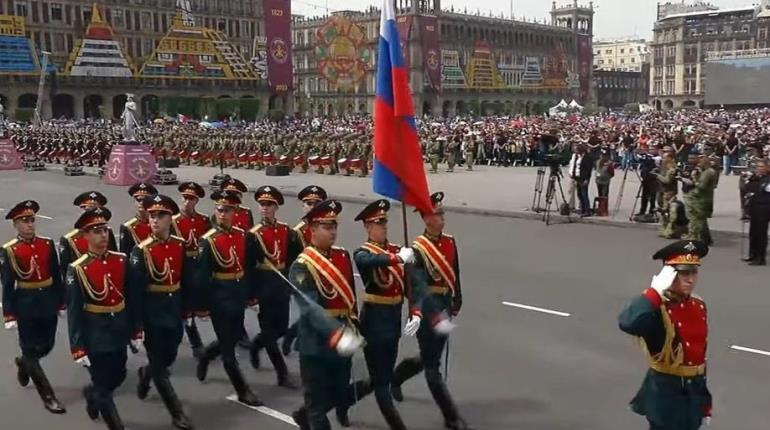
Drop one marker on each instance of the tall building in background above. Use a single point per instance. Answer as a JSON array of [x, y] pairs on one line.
[[684, 41], [623, 55], [458, 62]]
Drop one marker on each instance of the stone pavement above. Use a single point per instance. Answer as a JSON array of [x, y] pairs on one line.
[[487, 190]]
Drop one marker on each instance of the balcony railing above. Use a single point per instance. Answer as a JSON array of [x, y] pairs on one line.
[[738, 54]]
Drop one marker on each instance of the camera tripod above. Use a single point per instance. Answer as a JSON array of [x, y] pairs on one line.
[[554, 181]]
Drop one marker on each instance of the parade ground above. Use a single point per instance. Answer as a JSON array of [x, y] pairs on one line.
[[537, 345]]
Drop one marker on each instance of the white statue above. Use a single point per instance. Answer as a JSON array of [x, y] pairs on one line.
[[130, 125]]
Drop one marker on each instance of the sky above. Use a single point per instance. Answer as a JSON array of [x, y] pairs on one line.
[[613, 19]]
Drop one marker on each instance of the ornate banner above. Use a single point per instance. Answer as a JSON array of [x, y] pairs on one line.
[[431, 51], [585, 63], [278, 31], [404, 24], [341, 47]]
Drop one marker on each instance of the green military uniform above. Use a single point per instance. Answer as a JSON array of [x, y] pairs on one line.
[[667, 180], [449, 154], [366, 155], [699, 205], [434, 153], [333, 149], [674, 394], [469, 153], [673, 219], [306, 149]]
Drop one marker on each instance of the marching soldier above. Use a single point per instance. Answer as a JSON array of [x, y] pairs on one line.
[[224, 280], [323, 275], [190, 226], [366, 155], [156, 276], [137, 229], [449, 154], [434, 153], [672, 323], [437, 272], [699, 201], [72, 245], [99, 316], [242, 218], [310, 196], [307, 147], [276, 246], [350, 154], [469, 151], [33, 296], [381, 265]]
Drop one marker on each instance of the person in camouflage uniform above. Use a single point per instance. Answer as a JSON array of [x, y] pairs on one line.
[[469, 152], [351, 152], [699, 200], [366, 155], [673, 220], [307, 147], [434, 152], [449, 154], [667, 177], [333, 149]]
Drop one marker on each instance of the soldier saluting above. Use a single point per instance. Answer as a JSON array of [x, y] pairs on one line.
[[73, 244], [163, 300], [276, 246], [33, 295], [672, 323], [137, 229], [99, 316]]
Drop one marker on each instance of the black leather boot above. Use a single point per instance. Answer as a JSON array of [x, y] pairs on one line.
[[208, 354], [111, 417], [171, 400], [388, 410], [91, 410], [274, 354], [301, 418], [405, 370], [143, 386], [256, 346], [21, 373], [43, 386], [288, 339], [437, 387], [194, 336], [245, 395]]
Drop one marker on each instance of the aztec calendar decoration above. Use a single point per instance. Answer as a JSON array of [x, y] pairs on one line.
[[342, 53]]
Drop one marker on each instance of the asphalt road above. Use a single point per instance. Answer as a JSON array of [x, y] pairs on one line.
[[510, 368]]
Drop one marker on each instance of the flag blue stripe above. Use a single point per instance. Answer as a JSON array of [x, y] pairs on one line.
[[386, 183]]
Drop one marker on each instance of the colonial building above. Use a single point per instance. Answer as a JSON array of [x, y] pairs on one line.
[[624, 55], [683, 41], [458, 62], [166, 52]]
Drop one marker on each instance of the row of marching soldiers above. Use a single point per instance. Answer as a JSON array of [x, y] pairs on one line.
[[174, 265]]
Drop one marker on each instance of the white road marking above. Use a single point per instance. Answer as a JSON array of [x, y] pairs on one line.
[[280, 416], [751, 350], [536, 309]]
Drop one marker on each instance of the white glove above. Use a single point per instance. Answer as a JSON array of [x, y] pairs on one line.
[[137, 345], [444, 326], [63, 314], [663, 280], [204, 318], [706, 421], [83, 361], [411, 327], [254, 308], [406, 255], [349, 342], [11, 325]]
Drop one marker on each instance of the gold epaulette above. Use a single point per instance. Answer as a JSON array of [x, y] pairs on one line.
[[176, 217], [282, 223], [10, 243], [299, 226], [209, 233], [175, 237], [244, 207], [130, 222], [448, 235], [72, 234], [239, 229], [255, 229], [119, 254], [147, 242], [82, 259], [43, 237]]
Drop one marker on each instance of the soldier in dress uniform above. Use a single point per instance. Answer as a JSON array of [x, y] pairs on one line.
[[381, 265], [276, 246], [328, 335], [72, 245], [190, 226], [33, 295], [437, 272], [157, 267], [137, 229], [672, 325], [224, 290], [310, 196], [242, 218], [99, 316]]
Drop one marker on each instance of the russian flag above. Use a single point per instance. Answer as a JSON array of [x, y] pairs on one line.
[[399, 172]]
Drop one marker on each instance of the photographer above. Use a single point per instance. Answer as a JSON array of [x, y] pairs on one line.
[[580, 168], [758, 197], [648, 174]]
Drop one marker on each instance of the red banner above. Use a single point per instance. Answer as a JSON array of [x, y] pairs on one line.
[[585, 64], [404, 25], [278, 32], [431, 51]]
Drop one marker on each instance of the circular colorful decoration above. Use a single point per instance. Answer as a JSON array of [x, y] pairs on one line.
[[279, 50], [432, 59], [342, 52]]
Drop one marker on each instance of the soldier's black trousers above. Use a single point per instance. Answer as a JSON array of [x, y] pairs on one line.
[[273, 318], [162, 345], [760, 218], [229, 330], [326, 382], [37, 336], [108, 371]]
